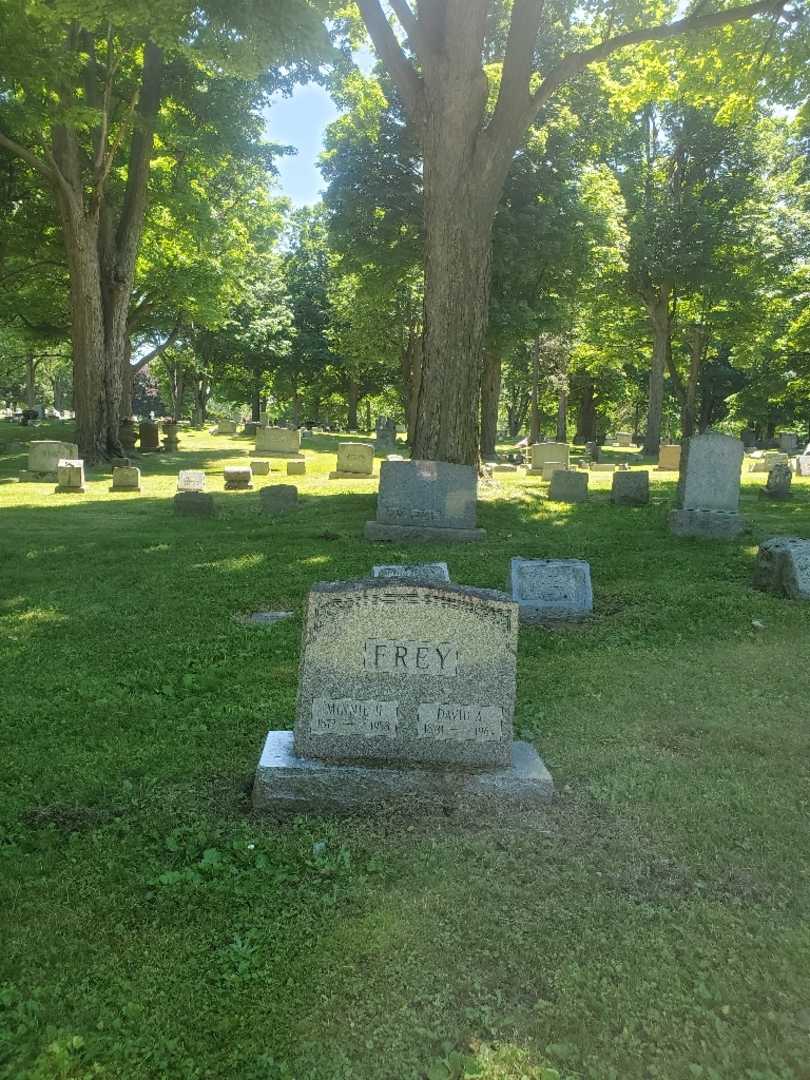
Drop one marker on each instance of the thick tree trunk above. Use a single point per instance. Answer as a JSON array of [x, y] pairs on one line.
[[412, 379], [30, 380], [534, 407], [562, 417], [586, 428], [658, 310], [490, 402], [352, 395], [202, 391]]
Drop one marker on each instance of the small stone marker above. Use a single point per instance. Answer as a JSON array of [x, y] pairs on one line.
[[70, 476], [278, 442], [540, 453], [238, 478], [624, 438], [669, 458], [227, 427], [550, 467], [385, 435], [432, 571], [263, 618], [803, 465], [708, 496], [778, 484], [126, 478], [150, 432], [569, 486], [426, 500], [44, 456], [278, 498], [765, 460], [551, 589], [355, 461], [260, 467], [783, 567], [296, 468], [406, 695], [602, 466], [191, 480], [630, 488]]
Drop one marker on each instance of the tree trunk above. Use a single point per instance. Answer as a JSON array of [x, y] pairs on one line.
[[658, 310], [490, 402], [352, 396], [697, 346], [31, 365], [415, 363], [256, 401], [562, 417], [202, 391], [534, 407], [586, 428]]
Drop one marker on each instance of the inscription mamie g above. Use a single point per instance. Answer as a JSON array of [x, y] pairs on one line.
[[382, 655], [348, 717]]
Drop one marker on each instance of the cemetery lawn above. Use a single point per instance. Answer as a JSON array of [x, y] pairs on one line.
[[652, 923]]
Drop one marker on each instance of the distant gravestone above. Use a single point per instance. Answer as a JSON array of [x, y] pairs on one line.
[[296, 468], [278, 498], [540, 453], [354, 461], [708, 497], [783, 567], [150, 432], [238, 478], [70, 476], [385, 436], [550, 467], [226, 427], [126, 478], [778, 484], [191, 480], [570, 487], [630, 488], [436, 571], [194, 504], [624, 438], [278, 442], [762, 461], [260, 467], [803, 465], [44, 456], [426, 500], [602, 466], [669, 458], [789, 442], [551, 589]]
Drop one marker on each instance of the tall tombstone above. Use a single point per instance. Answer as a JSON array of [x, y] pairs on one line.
[[406, 692], [278, 442], [426, 500], [385, 436], [44, 456], [669, 457], [150, 432], [708, 498], [541, 453]]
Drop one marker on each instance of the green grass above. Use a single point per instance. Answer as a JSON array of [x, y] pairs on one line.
[[652, 923]]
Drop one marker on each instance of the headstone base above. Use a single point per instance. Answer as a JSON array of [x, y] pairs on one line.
[[710, 524], [275, 454], [289, 784], [422, 534], [194, 503], [60, 489], [337, 475]]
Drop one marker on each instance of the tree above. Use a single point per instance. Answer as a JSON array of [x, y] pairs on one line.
[[468, 143]]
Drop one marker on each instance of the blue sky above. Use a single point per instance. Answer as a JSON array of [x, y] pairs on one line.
[[301, 121]]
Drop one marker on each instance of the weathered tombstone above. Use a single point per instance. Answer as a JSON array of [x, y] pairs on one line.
[[630, 488], [789, 442], [296, 468], [278, 498], [803, 465], [126, 478], [385, 437], [354, 461], [542, 452], [763, 461], [44, 456], [406, 695], [435, 571], [238, 478], [749, 437], [191, 498], [624, 438], [250, 428], [783, 567], [603, 466], [550, 467], [278, 442], [569, 486], [550, 589], [778, 484], [263, 618], [669, 457], [150, 432], [426, 500], [191, 480], [70, 476], [260, 467], [226, 427], [708, 498]]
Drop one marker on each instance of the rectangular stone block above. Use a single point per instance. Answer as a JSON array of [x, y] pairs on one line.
[[150, 433], [278, 442], [278, 498], [259, 467], [44, 456], [710, 473], [427, 494], [70, 476], [542, 452], [226, 427], [238, 478], [194, 504], [571, 487], [436, 571], [405, 672], [803, 465], [789, 442], [354, 460], [708, 524], [296, 468], [602, 466], [783, 567], [669, 457], [126, 478], [551, 589], [630, 488], [624, 438], [191, 480], [550, 467]]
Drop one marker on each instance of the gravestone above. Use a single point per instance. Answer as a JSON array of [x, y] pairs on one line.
[[669, 457], [602, 466], [789, 442], [708, 498], [191, 498], [550, 467], [749, 437], [278, 442], [150, 432], [238, 478], [762, 461], [44, 456], [630, 488], [504, 467], [435, 571], [778, 484], [126, 478], [803, 465], [542, 452], [550, 589], [426, 500], [569, 486], [260, 467], [278, 498], [354, 461], [385, 436], [296, 468], [783, 567], [191, 480], [406, 694], [226, 427], [70, 476], [250, 428], [624, 438]]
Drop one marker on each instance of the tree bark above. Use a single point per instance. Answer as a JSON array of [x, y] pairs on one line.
[[490, 402], [586, 428], [534, 407], [658, 310], [412, 379], [352, 398], [562, 417], [31, 365]]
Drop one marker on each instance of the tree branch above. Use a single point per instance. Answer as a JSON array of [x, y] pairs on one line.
[[410, 24], [144, 360], [390, 52], [513, 96], [29, 157]]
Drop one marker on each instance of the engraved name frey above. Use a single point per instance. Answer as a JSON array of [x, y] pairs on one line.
[[392, 657]]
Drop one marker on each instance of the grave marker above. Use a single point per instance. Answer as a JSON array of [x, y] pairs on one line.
[[355, 461], [630, 488], [708, 498], [570, 487], [436, 571], [126, 478], [669, 458], [278, 498], [540, 453], [238, 478], [70, 476], [783, 567], [44, 456], [278, 442], [426, 500]]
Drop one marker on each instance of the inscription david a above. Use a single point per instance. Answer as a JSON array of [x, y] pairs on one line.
[[396, 673]]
